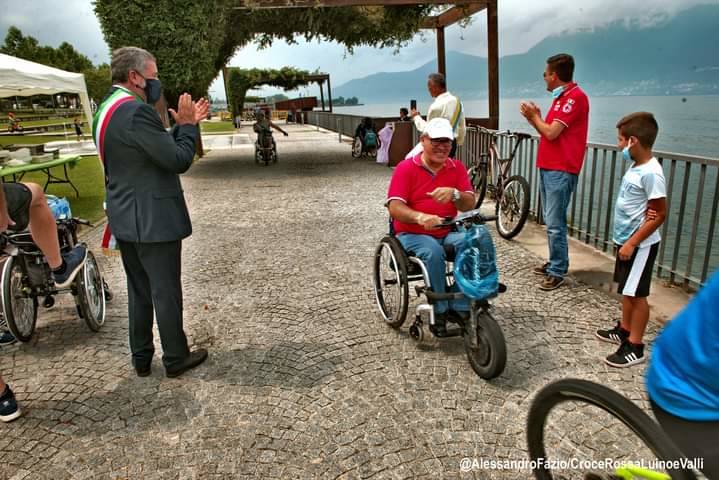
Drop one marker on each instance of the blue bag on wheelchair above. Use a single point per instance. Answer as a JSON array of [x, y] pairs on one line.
[[370, 139], [60, 207], [475, 268]]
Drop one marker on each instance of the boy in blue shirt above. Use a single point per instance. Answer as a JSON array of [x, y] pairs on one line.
[[636, 235]]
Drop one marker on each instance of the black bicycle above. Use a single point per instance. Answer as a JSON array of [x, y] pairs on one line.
[[602, 449], [490, 173], [26, 277]]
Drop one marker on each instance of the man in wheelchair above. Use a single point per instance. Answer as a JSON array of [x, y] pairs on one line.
[[263, 127], [423, 191], [23, 205]]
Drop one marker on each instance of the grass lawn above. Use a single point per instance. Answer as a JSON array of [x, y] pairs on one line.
[[30, 139], [88, 179], [217, 127]]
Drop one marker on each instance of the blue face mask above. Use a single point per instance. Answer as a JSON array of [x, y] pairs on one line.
[[557, 92]]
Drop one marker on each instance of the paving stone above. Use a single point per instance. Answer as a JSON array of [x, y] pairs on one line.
[[303, 380]]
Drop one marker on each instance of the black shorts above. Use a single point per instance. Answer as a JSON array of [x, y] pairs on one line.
[[634, 276], [18, 198]]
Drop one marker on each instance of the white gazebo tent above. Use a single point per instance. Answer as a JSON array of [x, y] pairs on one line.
[[23, 78]]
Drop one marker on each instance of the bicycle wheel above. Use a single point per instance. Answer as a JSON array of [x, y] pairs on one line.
[[589, 394], [478, 179], [489, 357], [391, 286], [90, 294], [513, 207], [19, 309]]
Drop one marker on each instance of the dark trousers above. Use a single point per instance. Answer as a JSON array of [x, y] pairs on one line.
[[153, 278], [694, 439]]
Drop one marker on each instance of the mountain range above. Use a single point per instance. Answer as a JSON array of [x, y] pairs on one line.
[[675, 56]]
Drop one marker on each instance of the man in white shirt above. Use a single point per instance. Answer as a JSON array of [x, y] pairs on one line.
[[445, 105]]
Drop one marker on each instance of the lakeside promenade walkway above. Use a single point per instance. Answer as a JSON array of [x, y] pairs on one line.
[[303, 379]]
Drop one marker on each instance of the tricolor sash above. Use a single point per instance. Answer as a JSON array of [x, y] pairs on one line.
[[99, 128]]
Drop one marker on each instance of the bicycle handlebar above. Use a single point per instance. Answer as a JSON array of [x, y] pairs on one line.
[[508, 133]]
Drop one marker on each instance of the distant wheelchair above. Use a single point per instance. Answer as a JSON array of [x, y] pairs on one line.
[[394, 270], [265, 147], [26, 277], [369, 145]]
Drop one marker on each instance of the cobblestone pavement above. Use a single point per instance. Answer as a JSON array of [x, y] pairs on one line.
[[303, 380]]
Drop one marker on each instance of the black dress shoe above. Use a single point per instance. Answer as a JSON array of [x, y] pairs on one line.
[[143, 371], [193, 359]]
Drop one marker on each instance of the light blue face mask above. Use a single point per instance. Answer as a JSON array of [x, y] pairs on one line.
[[557, 92], [626, 155]]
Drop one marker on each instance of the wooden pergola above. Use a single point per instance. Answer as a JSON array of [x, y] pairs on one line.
[[458, 10]]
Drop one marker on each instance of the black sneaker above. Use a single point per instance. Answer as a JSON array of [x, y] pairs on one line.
[[74, 260], [615, 335], [439, 329], [7, 338], [9, 409], [551, 283], [627, 355], [541, 270]]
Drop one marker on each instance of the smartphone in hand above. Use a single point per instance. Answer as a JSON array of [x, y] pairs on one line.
[[413, 104]]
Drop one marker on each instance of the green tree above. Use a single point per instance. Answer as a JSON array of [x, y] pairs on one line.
[[240, 80], [98, 81], [64, 57], [193, 43]]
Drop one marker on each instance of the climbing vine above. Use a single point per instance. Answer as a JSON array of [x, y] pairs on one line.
[[241, 80], [194, 42]]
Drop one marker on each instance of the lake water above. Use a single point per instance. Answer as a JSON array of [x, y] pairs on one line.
[[689, 127]]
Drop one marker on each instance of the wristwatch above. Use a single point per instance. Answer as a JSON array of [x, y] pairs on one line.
[[455, 195]]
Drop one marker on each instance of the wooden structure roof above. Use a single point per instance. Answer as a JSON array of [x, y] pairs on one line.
[[457, 10]]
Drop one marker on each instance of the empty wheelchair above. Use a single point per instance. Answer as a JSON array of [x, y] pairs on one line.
[[395, 269], [26, 276]]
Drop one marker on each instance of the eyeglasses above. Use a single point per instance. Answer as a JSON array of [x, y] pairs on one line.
[[440, 142]]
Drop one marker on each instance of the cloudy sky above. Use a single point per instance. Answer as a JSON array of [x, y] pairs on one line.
[[522, 24]]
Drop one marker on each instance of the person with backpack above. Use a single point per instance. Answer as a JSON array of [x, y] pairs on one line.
[[366, 133]]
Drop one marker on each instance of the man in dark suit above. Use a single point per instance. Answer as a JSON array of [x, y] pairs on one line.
[[146, 208]]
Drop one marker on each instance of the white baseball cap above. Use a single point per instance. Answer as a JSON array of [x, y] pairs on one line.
[[439, 128]]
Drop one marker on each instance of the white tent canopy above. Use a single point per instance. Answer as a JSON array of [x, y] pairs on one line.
[[23, 78]]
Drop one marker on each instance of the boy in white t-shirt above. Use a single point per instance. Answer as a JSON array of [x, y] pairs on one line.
[[636, 234]]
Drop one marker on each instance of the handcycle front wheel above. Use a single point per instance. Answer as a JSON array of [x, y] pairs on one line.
[[621, 408], [489, 357], [90, 297], [19, 310], [513, 207], [391, 286]]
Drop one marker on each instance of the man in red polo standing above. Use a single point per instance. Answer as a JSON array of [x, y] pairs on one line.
[[562, 145], [424, 189]]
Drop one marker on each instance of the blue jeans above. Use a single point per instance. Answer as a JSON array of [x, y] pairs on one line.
[[556, 189], [431, 251]]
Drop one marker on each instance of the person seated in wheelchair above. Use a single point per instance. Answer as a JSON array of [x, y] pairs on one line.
[[366, 132], [423, 191], [23, 205], [263, 127]]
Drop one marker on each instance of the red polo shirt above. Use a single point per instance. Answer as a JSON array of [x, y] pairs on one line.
[[566, 152], [411, 181]]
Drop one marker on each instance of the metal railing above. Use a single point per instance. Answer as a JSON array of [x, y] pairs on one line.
[[687, 254]]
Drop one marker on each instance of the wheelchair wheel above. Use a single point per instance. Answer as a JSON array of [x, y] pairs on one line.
[[258, 155], [513, 207], [357, 147], [90, 297], [489, 357], [581, 394], [19, 310], [391, 287]]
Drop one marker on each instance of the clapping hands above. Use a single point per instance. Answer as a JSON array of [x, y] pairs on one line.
[[189, 112], [529, 110]]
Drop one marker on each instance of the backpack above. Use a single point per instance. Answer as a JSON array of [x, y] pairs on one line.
[[370, 140]]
